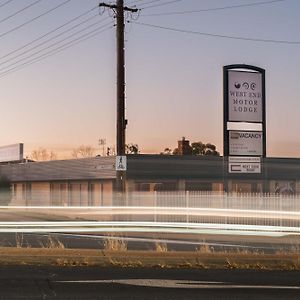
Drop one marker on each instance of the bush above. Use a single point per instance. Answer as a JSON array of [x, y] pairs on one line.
[[5, 191]]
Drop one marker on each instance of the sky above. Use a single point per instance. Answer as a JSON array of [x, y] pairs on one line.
[[174, 84]]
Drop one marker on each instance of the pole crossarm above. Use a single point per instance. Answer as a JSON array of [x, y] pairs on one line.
[[114, 6]]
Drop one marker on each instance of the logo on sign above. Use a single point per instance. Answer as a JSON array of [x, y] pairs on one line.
[[245, 85]]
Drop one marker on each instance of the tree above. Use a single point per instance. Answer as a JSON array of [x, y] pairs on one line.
[[42, 154], [167, 151], [131, 148], [5, 191], [83, 151], [199, 148], [175, 151]]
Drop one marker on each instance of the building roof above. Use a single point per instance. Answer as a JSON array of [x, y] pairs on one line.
[[147, 167], [206, 168], [73, 169], [174, 167]]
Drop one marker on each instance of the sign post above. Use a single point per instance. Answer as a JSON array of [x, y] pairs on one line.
[[244, 103]]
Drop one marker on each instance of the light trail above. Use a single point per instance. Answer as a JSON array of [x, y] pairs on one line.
[[147, 224], [166, 227], [175, 211], [215, 220]]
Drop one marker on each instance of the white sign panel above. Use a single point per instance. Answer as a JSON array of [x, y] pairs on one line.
[[121, 163], [244, 165], [244, 96], [254, 168], [245, 143], [238, 159], [11, 153]]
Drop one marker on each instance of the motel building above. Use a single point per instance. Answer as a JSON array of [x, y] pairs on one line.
[[92, 181]]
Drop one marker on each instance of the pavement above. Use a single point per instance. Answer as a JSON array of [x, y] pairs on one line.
[[36, 282]]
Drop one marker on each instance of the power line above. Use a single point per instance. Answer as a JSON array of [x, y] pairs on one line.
[[137, 1], [148, 2], [56, 36], [214, 9], [53, 44], [161, 4], [49, 32], [50, 53], [33, 19], [57, 50], [20, 11], [7, 2], [218, 35]]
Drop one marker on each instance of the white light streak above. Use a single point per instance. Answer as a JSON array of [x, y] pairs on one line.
[[131, 226]]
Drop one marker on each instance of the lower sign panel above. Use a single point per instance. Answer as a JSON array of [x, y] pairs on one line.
[[245, 167]]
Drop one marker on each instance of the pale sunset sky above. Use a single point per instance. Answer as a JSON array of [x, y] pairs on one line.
[[173, 79]]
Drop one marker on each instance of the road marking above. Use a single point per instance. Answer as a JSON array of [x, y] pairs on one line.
[[185, 284]]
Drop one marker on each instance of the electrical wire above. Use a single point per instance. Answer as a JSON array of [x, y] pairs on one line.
[[33, 19], [161, 4], [20, 11], [149, 2], [54, 51], [219, 35], [60, 48], [7, 2], [48, 33], [53, 44], [54, 37], [136, 1], [214, 9]]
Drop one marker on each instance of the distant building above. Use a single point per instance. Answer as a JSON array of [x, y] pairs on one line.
[[184, 147], [91, 181]]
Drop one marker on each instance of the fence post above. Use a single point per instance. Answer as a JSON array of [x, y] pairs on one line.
[[280, 205], [155, 205], [226, 207], [187, 197]]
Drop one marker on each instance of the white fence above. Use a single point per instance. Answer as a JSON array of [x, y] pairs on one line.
[[173, 207], [210, 207], [212, 200]]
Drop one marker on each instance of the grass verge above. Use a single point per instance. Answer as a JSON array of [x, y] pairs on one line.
[[74, 257]]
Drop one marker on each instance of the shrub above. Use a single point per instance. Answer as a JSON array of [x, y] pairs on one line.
[[5, 191]]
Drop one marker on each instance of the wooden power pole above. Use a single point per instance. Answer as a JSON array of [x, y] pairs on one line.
[[119, 10]]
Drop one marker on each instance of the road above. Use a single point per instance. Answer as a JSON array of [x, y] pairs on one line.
[[24, 282]]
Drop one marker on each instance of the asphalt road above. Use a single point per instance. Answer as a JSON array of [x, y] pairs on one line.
[[24, 282]]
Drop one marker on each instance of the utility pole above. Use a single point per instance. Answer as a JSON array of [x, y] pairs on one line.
[[119, 10]]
